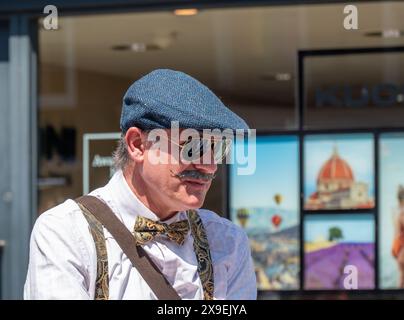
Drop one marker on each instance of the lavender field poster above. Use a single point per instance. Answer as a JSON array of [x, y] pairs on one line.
[[334, 241], [266, 205]]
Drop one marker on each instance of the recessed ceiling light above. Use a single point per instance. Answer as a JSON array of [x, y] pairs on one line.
[[137, 47], [388, 33], [277, 76], [186, 12], [158, 42]]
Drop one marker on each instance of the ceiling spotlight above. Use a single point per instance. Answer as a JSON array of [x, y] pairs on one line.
[[388, 33], [186, 12], [277, 76]]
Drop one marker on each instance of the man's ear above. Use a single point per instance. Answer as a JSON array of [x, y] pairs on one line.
[[135, 144]]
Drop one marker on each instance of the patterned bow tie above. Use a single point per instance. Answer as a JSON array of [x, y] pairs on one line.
[[146, 229]]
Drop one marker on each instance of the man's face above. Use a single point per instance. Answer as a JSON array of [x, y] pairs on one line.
[[169, 190]]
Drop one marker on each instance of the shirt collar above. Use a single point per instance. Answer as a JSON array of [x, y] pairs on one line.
[[128, 204]]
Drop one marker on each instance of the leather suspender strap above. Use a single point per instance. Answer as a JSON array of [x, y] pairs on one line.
[[136, 254], [97, 231]]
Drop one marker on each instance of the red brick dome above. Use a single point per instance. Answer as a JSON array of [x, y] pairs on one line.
[[335, 168]]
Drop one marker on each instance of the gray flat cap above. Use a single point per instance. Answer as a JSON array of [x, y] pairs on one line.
[[164, 95]]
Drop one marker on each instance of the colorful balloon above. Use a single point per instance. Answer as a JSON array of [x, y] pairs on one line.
[[278, 198], [243, 215], [276, 220]]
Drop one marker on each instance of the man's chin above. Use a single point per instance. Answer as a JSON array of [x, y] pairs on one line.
[[193, 202]]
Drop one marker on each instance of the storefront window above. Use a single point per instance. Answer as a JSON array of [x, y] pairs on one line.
[[293, 77], [338, 95]]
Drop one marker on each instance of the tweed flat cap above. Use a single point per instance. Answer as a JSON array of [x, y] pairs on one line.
[[164, 95]]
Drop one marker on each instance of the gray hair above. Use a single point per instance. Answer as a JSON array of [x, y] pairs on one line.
[[121, 155]]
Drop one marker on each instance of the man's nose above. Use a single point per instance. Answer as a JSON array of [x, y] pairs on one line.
[[206, 168]]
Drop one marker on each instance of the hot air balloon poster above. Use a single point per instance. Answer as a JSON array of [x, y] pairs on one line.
[[336, 247], [266, 205], [338, 172]]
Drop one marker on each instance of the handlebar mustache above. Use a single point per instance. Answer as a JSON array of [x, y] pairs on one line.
[[194, 174]]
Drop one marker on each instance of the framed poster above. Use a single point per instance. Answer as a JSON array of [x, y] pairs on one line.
[[391, 214], [339, 172], [98, 164], [266, 205], [335, 242]]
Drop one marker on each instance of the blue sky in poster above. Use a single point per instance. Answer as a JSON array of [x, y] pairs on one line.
[[355, 227], [276, 172], [356, 149], [391, 176]]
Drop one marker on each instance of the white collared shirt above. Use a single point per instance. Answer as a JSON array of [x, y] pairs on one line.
[[63, 260]]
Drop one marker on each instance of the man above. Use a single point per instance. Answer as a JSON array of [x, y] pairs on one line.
[[164, 195]]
